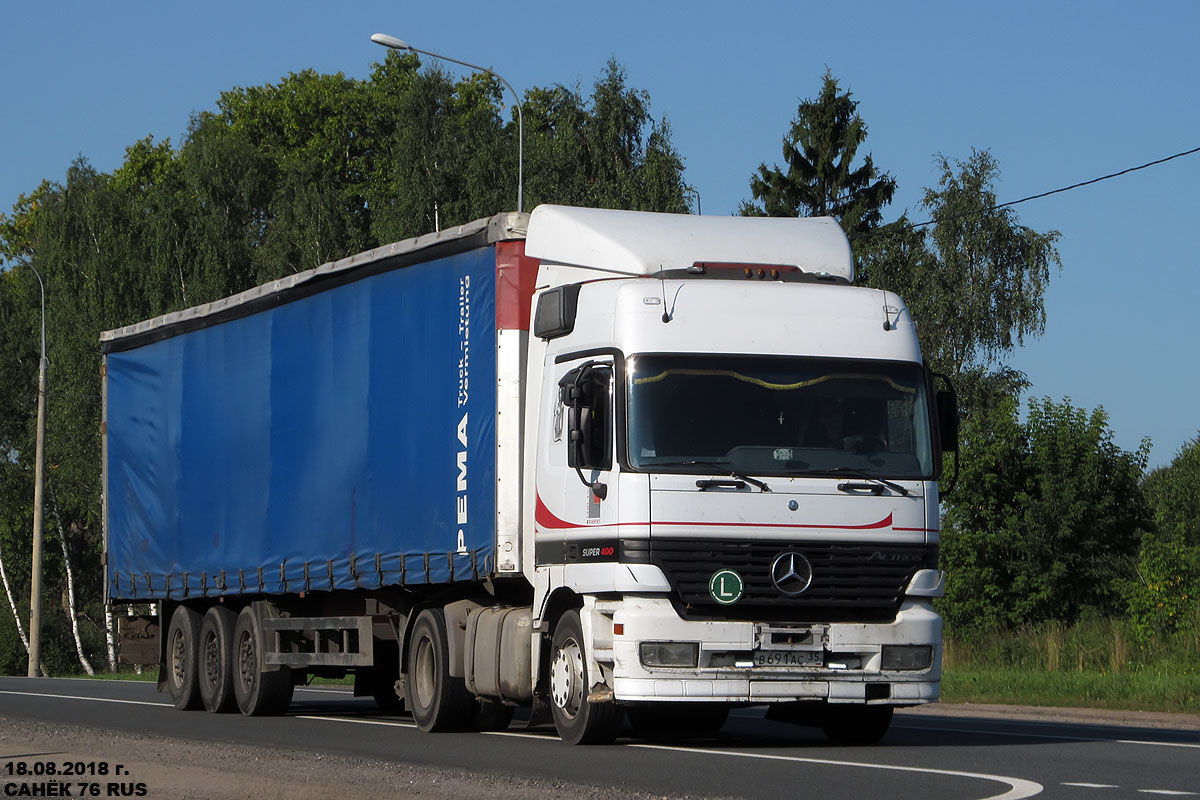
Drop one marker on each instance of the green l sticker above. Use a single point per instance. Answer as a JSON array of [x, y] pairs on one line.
[[726, 587]]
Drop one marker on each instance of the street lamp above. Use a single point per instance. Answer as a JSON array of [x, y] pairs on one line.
[[35, 582], [399, 44]]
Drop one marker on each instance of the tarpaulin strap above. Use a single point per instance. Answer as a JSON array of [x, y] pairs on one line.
[[241, 581], [204, 583], [186, 587], [379, 568], [283, 575], [329, 568], [427, 578], [474, 564], [354, 569], [307, 583], [221, 580], [261, 584]]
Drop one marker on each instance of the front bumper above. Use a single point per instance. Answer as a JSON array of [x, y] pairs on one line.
[[847, 668]]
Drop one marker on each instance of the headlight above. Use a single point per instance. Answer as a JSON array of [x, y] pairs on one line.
[[907, 656], [670, 654]]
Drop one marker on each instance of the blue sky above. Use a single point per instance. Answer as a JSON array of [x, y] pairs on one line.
[[1060, 93]]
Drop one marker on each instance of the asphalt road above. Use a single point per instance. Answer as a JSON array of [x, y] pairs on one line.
[[924, 755]]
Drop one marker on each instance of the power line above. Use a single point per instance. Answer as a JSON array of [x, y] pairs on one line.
[[1060, 190]]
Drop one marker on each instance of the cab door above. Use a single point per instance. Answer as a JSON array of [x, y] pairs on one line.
[[575, 520]]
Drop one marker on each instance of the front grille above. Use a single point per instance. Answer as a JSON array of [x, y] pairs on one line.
[[851, 582]]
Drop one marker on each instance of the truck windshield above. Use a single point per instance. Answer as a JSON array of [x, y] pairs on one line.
[[772, 415]]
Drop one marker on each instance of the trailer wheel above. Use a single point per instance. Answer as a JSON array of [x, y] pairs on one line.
[[259, 691], [657, 720], [438, 701], [216, 659], [856, 725], [183, 636], [578, 720]]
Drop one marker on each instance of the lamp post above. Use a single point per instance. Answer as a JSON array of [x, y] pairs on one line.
[[399, 44], [35, 582]]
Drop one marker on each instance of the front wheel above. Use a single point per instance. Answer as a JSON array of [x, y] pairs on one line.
[[578, 720], [856, 725]]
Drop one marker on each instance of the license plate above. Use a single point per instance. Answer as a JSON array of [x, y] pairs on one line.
[[787, 658]]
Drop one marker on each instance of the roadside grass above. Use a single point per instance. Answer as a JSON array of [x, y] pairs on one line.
[[1095, 663], [124, 673], [1135, 691]]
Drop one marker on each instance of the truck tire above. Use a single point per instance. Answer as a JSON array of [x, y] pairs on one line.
[[183, 642], [856, 725], [216, 660], [260, 692], [578, 720], [657, 720], [438, 701]]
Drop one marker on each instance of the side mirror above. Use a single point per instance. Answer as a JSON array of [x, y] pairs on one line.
[[556, 309], [585, 392], [947, 414]]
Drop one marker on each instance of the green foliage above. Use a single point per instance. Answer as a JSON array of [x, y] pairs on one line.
[[1046, 520], [1173, 492], [975, 279], [821, 179], [1165, 597]]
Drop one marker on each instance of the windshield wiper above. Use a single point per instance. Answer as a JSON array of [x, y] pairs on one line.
[[858, 473], [719, 467]]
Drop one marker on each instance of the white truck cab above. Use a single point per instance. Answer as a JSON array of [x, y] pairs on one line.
[[732, 463]]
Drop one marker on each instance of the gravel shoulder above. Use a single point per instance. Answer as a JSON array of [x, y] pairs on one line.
[[1081, 716], [175, 768]]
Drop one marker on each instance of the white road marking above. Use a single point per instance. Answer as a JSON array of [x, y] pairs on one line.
[[1094, 785], [1165, 791], [1018, 787], [94, 699], [1035, 735], [387, 723]]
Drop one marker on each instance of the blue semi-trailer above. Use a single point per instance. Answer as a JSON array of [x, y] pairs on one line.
[[498, 466]]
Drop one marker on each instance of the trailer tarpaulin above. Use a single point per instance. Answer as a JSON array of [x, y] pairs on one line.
[[346, 438]]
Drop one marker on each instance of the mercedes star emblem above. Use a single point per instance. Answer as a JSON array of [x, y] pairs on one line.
[[791, 573]]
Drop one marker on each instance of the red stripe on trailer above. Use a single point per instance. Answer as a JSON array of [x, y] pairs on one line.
[[516, 275]]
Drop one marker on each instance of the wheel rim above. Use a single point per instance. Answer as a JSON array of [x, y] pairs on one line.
[[178, 658], [566, 678], [247, 660], [212, 660], [424, 679]]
